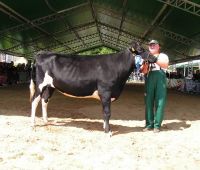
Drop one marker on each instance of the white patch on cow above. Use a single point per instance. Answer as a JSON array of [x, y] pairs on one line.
[[48, 80], [44, 111], [95, 95], [32, 89], [113, 99], [33, 109], [104, 124]]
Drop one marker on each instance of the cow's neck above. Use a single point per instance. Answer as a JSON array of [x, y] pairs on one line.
[[130, 61]]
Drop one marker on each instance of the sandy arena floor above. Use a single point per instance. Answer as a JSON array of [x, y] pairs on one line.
[[74, 139]]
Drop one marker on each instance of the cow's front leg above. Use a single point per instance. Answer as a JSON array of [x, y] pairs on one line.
[[44, 111], [106, 101], [107, 115]]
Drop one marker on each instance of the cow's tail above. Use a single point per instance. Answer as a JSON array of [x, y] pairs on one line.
[[32, 84]]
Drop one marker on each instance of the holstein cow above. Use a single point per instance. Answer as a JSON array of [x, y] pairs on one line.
[[101, 76]]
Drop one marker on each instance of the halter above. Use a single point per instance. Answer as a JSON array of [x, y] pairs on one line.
[[132, 50]]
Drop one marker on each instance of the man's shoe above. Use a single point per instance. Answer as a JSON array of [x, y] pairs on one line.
[[147, 129], [156, 130]]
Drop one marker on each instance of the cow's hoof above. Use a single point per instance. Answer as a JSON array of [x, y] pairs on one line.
[[45, 123], [109, 133], [33, 127], [32, 124], [45, 119]]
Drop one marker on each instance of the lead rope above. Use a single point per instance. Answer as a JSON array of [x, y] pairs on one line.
[[148, 66]]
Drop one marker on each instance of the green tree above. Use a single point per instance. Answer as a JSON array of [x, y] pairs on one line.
[[100, 50]]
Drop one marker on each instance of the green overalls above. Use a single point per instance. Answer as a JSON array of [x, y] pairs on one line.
[[155, 99]]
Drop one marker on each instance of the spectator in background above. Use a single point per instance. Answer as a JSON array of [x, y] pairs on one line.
[[10, 73], [138, 62]]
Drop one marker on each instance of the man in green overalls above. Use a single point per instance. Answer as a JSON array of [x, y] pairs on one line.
[[155, 87]]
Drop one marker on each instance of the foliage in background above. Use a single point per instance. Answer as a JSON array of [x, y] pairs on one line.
[[100, 50]]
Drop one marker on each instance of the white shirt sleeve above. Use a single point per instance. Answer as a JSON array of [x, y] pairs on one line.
[[163, 56]]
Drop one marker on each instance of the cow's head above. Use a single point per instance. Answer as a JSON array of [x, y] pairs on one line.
[[137, 49]]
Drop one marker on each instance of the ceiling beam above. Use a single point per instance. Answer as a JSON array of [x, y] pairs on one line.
[[166, 33], [132, 37], [184, 5], [66, 21], [39, 21], [63, 13], [38, 39], [9, 14], [179, 38], [21, 18], [105, 39], [71, 42], [11, 39], [94, 15], [116, 30], [114, 39], [157, 20], [122, 18], [25, 20]]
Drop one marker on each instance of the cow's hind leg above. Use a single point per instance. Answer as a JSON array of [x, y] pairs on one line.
[[106, 102], [47, 93], [34, 103]]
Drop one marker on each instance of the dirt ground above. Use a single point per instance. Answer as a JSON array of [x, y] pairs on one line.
[[74, 138]]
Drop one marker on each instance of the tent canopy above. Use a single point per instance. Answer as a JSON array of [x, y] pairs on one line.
[[73, 26]]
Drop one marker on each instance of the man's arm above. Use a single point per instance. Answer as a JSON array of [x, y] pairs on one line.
[[163, 61]]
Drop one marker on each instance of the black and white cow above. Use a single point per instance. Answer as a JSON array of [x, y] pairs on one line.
[[101, 76]]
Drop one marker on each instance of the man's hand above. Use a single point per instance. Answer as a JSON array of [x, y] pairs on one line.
[[152, 59]]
